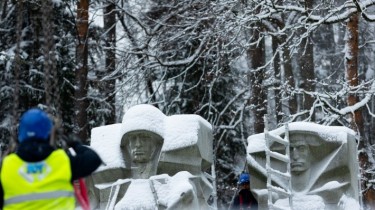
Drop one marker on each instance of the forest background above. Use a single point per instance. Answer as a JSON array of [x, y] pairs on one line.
[[230, 61]]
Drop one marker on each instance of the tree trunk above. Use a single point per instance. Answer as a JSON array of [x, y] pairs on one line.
[[325, 61], [277, 72], [17, 69], [351, 64], [256, 57], [284, 73], [287, 84], [50, 72], [289, 80], [306, 64], [307, 73], [81, 88], [3, 9], [108, 86], [356, 119]]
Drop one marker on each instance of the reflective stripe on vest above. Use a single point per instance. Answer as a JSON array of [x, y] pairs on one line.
[[43, 185], [38, 196]]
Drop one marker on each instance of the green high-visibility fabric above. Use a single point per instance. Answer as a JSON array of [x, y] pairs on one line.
[[44, 185]]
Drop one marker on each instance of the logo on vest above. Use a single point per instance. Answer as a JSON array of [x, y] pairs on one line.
[[34, 171]]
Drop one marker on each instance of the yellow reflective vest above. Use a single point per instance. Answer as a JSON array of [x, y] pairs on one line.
[[44, 185]]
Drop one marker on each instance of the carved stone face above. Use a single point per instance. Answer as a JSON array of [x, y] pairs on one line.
[[300, 156], [141, 145]]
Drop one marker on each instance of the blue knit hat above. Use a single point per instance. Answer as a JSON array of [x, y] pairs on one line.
[[34, 124], [244, 178]]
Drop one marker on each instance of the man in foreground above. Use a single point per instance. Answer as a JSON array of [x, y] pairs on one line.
[[39, 176]]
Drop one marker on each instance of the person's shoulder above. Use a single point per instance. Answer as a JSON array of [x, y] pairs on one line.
[[236, 200], [244, 191]]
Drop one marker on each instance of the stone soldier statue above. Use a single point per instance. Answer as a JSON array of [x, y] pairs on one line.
[[153, 161], [323, 163]]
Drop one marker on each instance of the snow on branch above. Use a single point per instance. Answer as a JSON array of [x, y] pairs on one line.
[[187, 60], [334, 15], [361, 7], [362, 103], [337, 113]]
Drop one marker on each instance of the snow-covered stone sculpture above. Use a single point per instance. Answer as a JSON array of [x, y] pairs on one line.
[[323, 167], [142, 132], [152, 161]]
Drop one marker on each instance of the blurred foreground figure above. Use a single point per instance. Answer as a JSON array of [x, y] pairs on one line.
[[39, 176]]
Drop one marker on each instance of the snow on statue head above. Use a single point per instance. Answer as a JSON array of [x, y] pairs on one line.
[[142, 138], [149, 153], [323, 166], [143, 117]]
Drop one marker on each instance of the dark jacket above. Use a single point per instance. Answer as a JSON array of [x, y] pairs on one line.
[[82, 164], [244, 200]]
